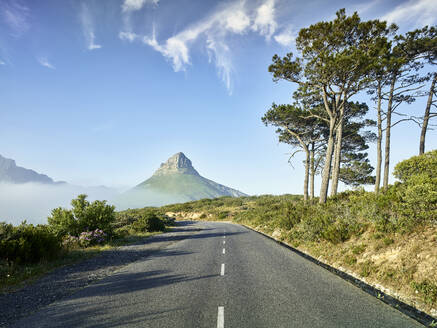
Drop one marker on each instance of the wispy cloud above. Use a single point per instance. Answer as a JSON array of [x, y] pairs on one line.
[[415, 12], [286, 37], [234, 18], [16, 16], [134, 5], [43, 61], [87, 22], [220, 53], [2, 62], [128, 36], [265, 21]]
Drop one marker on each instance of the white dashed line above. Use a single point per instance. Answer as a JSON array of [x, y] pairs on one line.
[[222, 270], [224, 251], [224, 242], [221, 317]]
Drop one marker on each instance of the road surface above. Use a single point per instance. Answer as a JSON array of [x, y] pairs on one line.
[[220, 275]]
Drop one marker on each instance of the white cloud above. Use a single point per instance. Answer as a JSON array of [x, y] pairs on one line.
[[237, 21], [286, 37], [265, 21], [134, 5], [232, 18], [87, 23], [43, 61], [2, 62], [16, 16], [416, 12]]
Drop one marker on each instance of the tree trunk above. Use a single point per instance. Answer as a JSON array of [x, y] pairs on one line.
[[307, 173], [378, 141], [387, 134], [426, 116], [337, 159], [327, 168], [312, 171]]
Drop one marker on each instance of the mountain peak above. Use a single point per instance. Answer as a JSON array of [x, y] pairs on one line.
[[178, 163]]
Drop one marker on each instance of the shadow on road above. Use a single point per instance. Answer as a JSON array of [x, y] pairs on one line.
[[96, 316], [64, 281], [86, 308], [134, 282]]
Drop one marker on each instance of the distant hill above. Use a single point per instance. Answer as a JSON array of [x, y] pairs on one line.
[[11, 173], [175, 181]]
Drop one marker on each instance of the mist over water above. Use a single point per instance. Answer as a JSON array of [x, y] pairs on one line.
[[33, 202]]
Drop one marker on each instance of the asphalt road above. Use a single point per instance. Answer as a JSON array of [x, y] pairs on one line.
[[223, 275]]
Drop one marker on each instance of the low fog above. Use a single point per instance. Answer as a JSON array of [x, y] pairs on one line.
[[34, 202], [141, 197]]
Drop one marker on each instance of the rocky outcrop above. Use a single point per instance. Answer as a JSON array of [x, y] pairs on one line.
[[178, 163]]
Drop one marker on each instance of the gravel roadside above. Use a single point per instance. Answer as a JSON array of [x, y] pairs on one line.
[[67, 280]]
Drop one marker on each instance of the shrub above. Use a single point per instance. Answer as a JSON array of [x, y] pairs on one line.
[[425, 164], [337, 232], [91, 238], [417, 192], [223, 215], [84, 216], [70, 242], [136, 220], [27, 243], [167, 220], [148, 223]]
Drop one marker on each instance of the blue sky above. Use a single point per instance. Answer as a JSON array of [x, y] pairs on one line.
[[102, 92]]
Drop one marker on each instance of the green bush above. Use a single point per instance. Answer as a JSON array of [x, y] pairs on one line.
[[27, 243], [417, 193], [136, 220], [223, 215], [148, 223], [425, 165], [84, 216]]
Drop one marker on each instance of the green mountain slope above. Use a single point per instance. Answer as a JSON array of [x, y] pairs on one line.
[[175, 181]]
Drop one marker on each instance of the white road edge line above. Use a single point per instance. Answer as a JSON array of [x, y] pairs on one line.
[[224, 251], [221, 317], [222, 270]]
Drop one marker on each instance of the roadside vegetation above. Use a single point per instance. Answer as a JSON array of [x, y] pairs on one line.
[[28, 251], [388, 239]]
